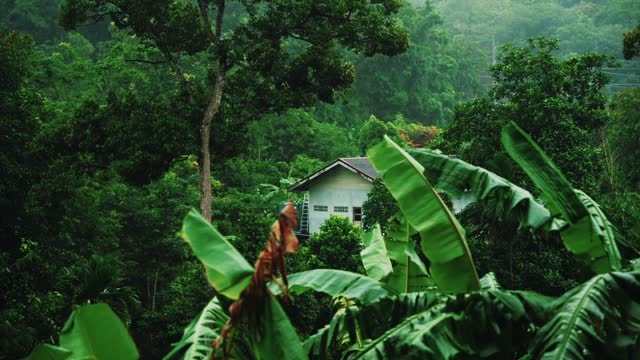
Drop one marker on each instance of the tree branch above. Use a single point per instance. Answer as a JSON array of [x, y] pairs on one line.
[[219, 18], [203, 5]]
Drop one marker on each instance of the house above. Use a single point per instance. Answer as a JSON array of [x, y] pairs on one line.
[[339, 188]]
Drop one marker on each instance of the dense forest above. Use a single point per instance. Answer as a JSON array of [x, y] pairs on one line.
[[121, 117]]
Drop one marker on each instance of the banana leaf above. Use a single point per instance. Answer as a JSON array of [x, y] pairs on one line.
[[201, 333], [589, 234], [599, 319], [227, 270], [442, 237], [357, 324], [49, 352], [493, 324], [336, 283], [409, 271], [95, 332], [277, 339], [490, 282], [375, 258], [457, 178]]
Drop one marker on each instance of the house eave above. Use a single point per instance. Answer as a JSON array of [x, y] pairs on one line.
[[303, 185]]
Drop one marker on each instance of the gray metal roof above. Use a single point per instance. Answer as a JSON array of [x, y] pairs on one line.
[[363, 165]]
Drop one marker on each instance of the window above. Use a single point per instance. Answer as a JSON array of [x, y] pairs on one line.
[[357, 214], [320, 208], [341, 209]]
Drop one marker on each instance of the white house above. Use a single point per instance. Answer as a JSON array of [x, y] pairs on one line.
[[339, 188]]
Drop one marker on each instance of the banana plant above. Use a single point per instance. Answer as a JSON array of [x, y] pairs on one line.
[[404, 271], [442, 238], [271, 335], [375, 258], [589, 234], [456, 178], [92, 332], [599, 319], [463, 317], [201, 333]]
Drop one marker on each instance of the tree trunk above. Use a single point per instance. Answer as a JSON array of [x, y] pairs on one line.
[[205, 159]]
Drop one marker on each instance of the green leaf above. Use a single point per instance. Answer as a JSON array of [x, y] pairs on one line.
[[596, 320], [374, 255], [367, 322], [442, 237], [589, 235], [556, 190], [474, 325], [228, 272], [336, 283], [409, 271], [279, 340], [201, 333], [95, 332], [457, 178], [49, 352], [489, 282], [602, 251]]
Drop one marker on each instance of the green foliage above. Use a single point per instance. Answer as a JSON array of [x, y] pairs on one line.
[[336, 246], [228, 272], [590, 235], [379, 206], [337, 283], [101, 280], [631, 43], [558, 102], [622, 209], [92, 331], [456, 328], [459, 179], [374, 255], [623, 133], [100, 128], [373, 131], [201, 332], [284, 137], [596, 319], [442, 237], [35, 17], [424, 83], [19, 122], [276, 56], [409, 269]]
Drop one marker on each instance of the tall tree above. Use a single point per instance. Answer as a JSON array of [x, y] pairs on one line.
[[263, 55], [631, 43], [558, 102]]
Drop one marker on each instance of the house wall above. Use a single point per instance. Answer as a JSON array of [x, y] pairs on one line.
[[338, 187]]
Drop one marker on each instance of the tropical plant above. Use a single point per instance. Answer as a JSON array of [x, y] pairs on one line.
[[461, 316], [91, 332]]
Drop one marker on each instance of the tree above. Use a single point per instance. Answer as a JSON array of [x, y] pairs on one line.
[[19, 123], [424, 83], [374, 130], [631, 43], [623, 137], [558, 102], [271, 55], [379, 207], [336, 246]]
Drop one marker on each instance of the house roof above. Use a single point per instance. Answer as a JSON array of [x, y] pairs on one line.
[[358, 165]]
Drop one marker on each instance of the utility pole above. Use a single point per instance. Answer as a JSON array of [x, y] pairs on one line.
[[493, 57]]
